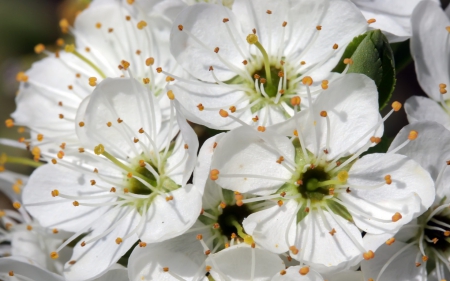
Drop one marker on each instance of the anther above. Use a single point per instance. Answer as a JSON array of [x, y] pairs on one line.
[[141, 24], [390, 241], [75, 203], [261, 129], [61, 116], [396, 217], [244, 62], [295, 100], [55, 231], [54, 255], [424, 258], [149, 61], [142, 244], [83, 244], [11, 273], [113, 189], [170, 95], [369, 21], [16, 205], [55, 192], [304, 270], [222, 205], [180, 27], [135, 140], [216, 50], [348, 61], [93, 182], [29, 228], [141, 131], [214, 174], [280, 203], [39, 48], [375, 140], [323, 113], [169, 198], [396, 106], [110, 30], [307, 80], [225, 20], [223, 113], [72, 262], [284, 24], [324, 84], [54, 161], [388, 179], [216, 225], [60, 154], [64, 25], [98, 25], [21, 77], [159, 69], [142, 163], [368, 255], [92, 81], [255, 119], [332, 232], [118, 240], [269, 12], [319, 27], [200, 107], [208, 268], [280, 160], [335, 46], [293, 249], [283, 272], [130, 2], [413, 135], [418, 264], [129, 175]]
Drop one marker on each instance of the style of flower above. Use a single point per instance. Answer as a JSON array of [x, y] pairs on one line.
[[321, 194], [253, 59], [419, 251], [430, 50], [393, 17], [112, 39], [127, 182]]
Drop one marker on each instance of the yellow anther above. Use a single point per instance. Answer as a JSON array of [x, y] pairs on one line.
[[130, 2], [11, 273], [113, 189], [54, 255], [180, 27], [342, 176], [369, 21], [39, 48], [29, 228], [396, 217], [396, 106], [169, 79], [388, 179], [165, 269], [69, 48], [348, 61], [9, 123], [21, 77], [319, 27], [159, 69], [375, 140], [223, 113], [109, 124], [368, 255], [283, 272], [225, 20], [307, 80], [390, 241], [443, 91], [16, 205], [125, 64], [332, 232], [323, 113], [129, 175], [293, 249], [81, 124], [146, 80], [135, 140], [232, 109], [200, 107], [214, 174], [280, 203], [55, 231], [295, 100], [170, 95], [60, 42], [64, 25], [99, 149], [295, 133], [335, 46], [324, 84], [424, 258], [304, 270], [119, 240], [55, 192], [54, 161], [261, 128], [142, 244], [98, 25], [447, 28], [413, 135], [92, 81], [141, 24], [252, 39], [76, 203], [149, 61], [208, 268], [60, 154], [216, 50]]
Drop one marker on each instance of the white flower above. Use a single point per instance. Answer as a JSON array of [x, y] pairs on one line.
[[127, 183], [254, 59], [112, 39], [319, 193], [393, 17], [420, 248], [429, 47]]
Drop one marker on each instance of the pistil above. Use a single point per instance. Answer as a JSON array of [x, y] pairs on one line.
[[253, 40]]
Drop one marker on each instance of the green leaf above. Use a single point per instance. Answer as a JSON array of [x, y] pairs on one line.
[[372, 55]]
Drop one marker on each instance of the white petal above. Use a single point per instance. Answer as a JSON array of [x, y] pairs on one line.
[[236, 264], [183, 255], [410, 193], [88, 264], [351, 103], [273, 227], [293, 274], [128, 100], [402, 267], [25, 270], [55, 212], [205, 23], [243, 152], [321, 250], [424, 109], [115, 273], [168, 219], [345, 276], [429, 47]]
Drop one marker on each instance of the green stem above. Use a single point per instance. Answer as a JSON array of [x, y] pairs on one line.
[[328, 182], [86, 60], [240, 230], [266, 62], [23, 161]]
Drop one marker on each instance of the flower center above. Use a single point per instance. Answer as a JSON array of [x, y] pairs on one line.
[[313, 184], [438, 233], [230, 220], [270, 87], [137, 187]]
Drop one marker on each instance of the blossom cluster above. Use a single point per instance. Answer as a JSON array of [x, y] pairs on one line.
[[288, 187]]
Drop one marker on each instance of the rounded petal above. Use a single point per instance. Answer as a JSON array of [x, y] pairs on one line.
[[55, 212], [236, 263], [424, 109], [293, 274], [21, 267], [116, 223], [115, 273], [247, 163], [373, 203], [429, 47], [183, 255], [117, 109], [273, 227], [203, 30], [322, 248], [401, 260], [167, 219]]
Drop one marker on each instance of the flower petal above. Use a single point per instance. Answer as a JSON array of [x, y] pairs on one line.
[[114, 273], [293, 274], [23, 268], [248, 164], [273, 227], [430, 36], [168, 219], [424, 109], [410, 193]]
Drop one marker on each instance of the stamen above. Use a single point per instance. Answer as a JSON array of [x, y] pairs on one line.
[[252, 39], [71, 49]]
